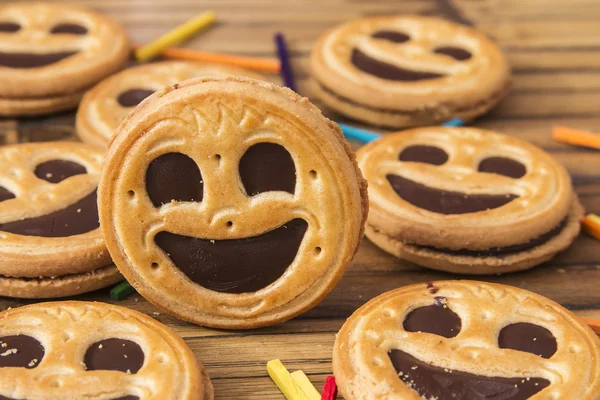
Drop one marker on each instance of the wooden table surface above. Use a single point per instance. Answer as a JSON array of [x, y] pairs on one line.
[[554, 49]]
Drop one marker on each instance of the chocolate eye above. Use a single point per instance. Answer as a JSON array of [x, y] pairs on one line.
[[9, 27], [425, 154], [436, 319], [173, 176], [267, 166], [114, 355], [6, 194], [55, 171], [73, 29], [455, 52], [20, 351], [529, 338], [133, 97], [502, 166], [392, 36]]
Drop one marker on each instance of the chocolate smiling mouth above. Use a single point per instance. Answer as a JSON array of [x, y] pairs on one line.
[[32, 60], [443, 201], [235, 265], [387, 71]]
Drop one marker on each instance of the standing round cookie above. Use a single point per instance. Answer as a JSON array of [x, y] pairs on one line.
[[94, 351], [467, 200], [231, 202], [51, 53], [401, 71], [50, 240], [465, 340], [108, 103]]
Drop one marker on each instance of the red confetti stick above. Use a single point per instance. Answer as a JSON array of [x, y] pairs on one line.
[[329, 389]]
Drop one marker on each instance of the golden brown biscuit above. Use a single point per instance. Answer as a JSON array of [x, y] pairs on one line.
[[81, 350], [407, 70], [467, 200], [466, 340], [49, 50], [231, 202], [38, 106], [49, 225], [108, 103]]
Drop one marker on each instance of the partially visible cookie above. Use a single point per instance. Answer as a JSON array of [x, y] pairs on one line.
[[94, 351], [231, 202], [108, 103], [465, 340], [407, 70], [50, 239], [50, 53], [467, 200]]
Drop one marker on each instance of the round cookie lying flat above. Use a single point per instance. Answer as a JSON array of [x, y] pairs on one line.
[[49, 50], [467, 200], [108, 103], [50, 240], [400, 71], [231, 202], [94, 351], [465, 340], [38, 106]]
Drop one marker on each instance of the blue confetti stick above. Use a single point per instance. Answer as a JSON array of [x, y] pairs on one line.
[[284, 58], [364, 136]]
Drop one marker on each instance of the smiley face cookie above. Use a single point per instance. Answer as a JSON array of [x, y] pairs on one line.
[[465, 340], [108, 103], [82, 350], [50, 54], [467, 200], [50, 240], [231, 202], [400, 71]]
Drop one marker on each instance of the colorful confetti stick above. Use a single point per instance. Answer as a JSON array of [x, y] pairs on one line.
[[591, 225], [284, 381], [175, 36], [576, 137], [329, 389], [306, 386], [365, 136], [593, 323], [284, 60], [256, 63], [121, 290]]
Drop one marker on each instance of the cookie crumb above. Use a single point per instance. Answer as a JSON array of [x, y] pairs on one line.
[[100, 346], [79, 210], [9, 352], [32, 362]]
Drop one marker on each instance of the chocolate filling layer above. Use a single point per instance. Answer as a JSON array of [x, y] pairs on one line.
[[383, 70], [503, 251]]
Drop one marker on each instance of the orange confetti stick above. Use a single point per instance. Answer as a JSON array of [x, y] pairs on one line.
[[260, 64], [593, 323], [591, 225], [576, 137]]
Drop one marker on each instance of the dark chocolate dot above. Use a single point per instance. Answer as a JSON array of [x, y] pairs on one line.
[[445, 201], [454, 52], [392, 36], [20, 351], [267, 166], [133, 97], [425, 154], [73, 29], [78, 218], [55, 171], [387, 71], [114, 355], [9, 27], [529, 338], [124, 398], [502, 166], [174, 176], [436, 319], [32, 60], [6, 194], [433, 382]]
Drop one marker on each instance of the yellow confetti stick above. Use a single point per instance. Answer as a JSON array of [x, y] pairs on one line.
[[175, 36], [284, 381], [306, 386]]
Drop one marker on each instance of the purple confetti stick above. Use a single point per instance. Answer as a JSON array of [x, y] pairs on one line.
[[284, 58]]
